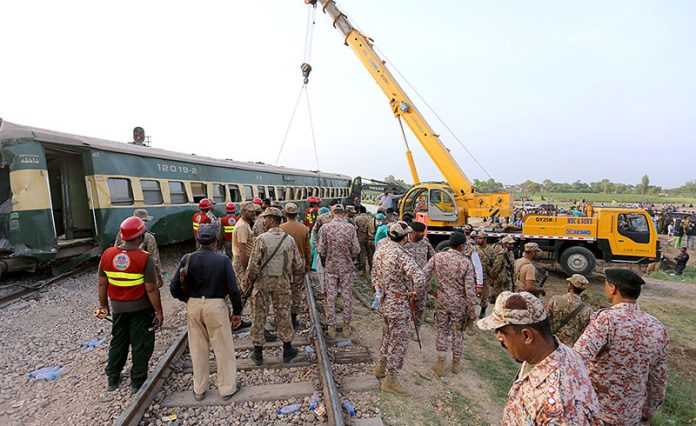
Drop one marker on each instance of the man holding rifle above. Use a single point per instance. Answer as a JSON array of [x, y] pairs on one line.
[[456, 293]]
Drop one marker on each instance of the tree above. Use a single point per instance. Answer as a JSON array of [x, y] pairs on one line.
[[643, 185]]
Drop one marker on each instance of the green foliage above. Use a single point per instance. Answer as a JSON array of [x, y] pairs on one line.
[[488, 186], [679, 407], [689, 275], [561, 197]]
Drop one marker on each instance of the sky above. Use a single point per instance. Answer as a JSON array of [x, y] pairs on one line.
[[560, 90]]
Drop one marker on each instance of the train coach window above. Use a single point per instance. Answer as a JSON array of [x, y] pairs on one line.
[[289, 193], [248, 193], [177, 192], [199, 191], [261, 191], [218, 193], [303, 194], [121, 191], [235, 195], [152, 193], [271, 193], [281, 193]]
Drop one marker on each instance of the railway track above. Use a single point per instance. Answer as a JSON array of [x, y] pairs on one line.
[[319, 360], [24, 288]]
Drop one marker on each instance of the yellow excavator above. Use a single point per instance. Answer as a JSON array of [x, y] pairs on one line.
[[447, 205]]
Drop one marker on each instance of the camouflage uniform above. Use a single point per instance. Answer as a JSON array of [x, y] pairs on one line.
[[559, 308], [522, 273], [362, 225], [625, 351], [422, 252], [320, 222], [149, 244], [502, 273], [487, 257], [258, 228], [338, 244], [396, 273], [456, 294], [273, 282]]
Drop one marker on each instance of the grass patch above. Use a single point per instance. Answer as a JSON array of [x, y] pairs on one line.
[[559, 197], [492, 364], [679, 407], [689, 275]]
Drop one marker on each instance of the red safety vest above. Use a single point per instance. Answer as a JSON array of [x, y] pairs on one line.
[[228, 223], [125, 271], [199, 218], [311, 216]]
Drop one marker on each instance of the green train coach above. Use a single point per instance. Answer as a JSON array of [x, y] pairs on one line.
[[62, 196]]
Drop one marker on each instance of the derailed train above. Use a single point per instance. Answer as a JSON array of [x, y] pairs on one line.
[[63, 196]]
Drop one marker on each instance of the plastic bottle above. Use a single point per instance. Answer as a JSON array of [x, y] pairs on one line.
[[344, 343], [289, 409], [348, 407], [243, 334], [314, 401], [378, 298], [47, 373], [309, 349]]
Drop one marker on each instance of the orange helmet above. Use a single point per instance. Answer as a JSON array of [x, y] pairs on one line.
[[230, 207], [205, 204], [257, 201], [132, 228]]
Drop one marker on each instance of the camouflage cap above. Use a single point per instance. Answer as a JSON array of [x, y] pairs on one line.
[[291, 208], [276, 203], [398, 229], [481, 234], [529, 247], [337, 208], [578, 281], [142, 214], [257, 208], [248, 206], [514, 308], [507, 240], [272, 211], [350, 209]]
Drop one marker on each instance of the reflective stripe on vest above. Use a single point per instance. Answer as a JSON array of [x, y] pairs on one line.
[[228, 229], [124, 279]]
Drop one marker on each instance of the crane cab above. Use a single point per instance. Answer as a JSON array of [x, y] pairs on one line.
[[438, 201]]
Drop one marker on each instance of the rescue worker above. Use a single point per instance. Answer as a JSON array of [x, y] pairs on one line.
[[456, 293], [486, 255], [526, 271], [209, 279], [149, 244], [205, 215], [503, 271], [338, 245], [300, 234], [568, 314], [227, 223], [275, 260], [381, 230], [625, 350], [422, 251], [312, 211], [127, 276], [399, 276], [362, 226], [553, 386]]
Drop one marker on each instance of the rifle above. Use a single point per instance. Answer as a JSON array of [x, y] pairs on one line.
[[412, 304], [250, 288], [510, 272]]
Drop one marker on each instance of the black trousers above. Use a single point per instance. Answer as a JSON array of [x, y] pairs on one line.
[[131, 329]]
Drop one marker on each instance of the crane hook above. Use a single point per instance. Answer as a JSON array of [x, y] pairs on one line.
[[306, 69]]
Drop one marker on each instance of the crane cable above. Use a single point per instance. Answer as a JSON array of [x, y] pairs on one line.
[[384, 57], [306, 70]]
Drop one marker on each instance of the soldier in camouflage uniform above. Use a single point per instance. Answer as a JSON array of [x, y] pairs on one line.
[[553, 386], [503, 270], [322, 219], [338, 245], [399, 276], [526, 273], [456, 293], [274, 261], [625, 350], [487, 256], [472, 254], [422, 251], [362, 225], [568, 314], [149, 244]]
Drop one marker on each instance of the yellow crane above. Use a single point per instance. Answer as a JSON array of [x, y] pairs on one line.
[[448, 204]]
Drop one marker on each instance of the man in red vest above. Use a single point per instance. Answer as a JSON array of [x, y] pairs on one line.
[[227, 223], [312, 211], [127, 276], [206, 215]]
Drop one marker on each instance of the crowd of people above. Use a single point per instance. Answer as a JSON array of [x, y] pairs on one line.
[[579, 366]]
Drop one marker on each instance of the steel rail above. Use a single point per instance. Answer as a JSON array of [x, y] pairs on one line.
[[135, 410], [334, 413], [28, 289]]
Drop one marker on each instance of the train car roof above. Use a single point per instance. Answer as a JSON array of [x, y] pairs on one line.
[[13, 131]]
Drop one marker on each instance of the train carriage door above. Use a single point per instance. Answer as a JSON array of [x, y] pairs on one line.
[[71, 210]]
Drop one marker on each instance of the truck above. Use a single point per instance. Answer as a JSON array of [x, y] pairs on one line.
[[612, 234]]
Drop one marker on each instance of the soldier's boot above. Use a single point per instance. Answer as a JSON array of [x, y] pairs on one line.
[[345, 332], [414, 335], [257, 355], [391, 385], [288, 352], [439, 366], [483, 312], [381, 368], [295, 322], [456, 365], [331, 332]]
